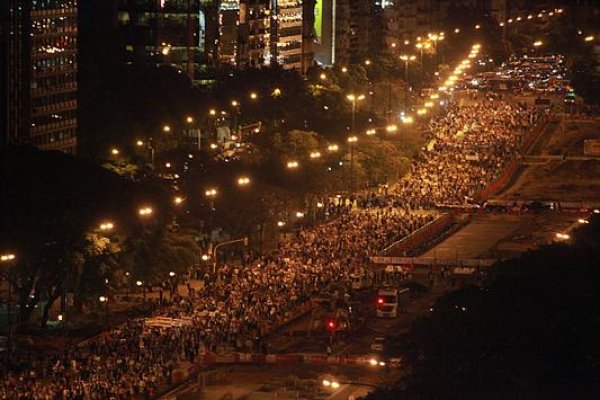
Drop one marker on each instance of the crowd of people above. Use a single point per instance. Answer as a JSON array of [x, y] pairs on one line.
[[471, 144], [131, 361]]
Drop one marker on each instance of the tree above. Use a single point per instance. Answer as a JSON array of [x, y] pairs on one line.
[[52, 206]]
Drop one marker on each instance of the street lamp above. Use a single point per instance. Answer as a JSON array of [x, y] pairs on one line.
[[292, 164], [104, 299], [354, 98], [189, 120], [166, 129], [332, 148], [210, 192], [589, 38], [114, 151], [243, 181], [315, 154], [243, 240], [253, 95], [145, 211], [352, 140], [407, 59], [178, 200], [106, 226]]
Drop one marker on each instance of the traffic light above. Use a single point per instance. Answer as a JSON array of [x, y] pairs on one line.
[[380, 301], [331, 325]]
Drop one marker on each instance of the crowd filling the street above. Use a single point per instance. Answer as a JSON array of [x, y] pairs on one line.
[[469, 145]]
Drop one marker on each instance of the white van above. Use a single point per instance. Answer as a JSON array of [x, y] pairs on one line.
[[387, 303]]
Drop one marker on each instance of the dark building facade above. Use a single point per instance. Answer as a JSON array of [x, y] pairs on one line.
[[38, 63]]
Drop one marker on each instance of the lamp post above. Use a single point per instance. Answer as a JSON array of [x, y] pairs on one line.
[[211, 194], [171, 276], [104, 300], [407, 59], [141, 284], [351, 141], [7, 259], [354, 99], [244, 240]]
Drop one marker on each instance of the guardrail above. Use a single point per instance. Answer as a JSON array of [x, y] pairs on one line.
[[434, 261], [421, 235]]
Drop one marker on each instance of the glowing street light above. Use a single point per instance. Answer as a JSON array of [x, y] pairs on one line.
[[139, 143], [292, 164], [315, 154], [407, 119], [589, 38], [107, 226], [145, 211], [178, 200], [114, 151], [332, 148], [354, 99], [189, 119], [538, 43], [280, 224], [299, 214], [276, 92], [243, 181], [371, 131], [7, 257], [213, 146], [323, 76], [210, 192], [166, 129], [344, 69], [391, 128], [253, 95], [352, 139]]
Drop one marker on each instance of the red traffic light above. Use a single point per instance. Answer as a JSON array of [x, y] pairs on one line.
[[331, 325], [380, 300]]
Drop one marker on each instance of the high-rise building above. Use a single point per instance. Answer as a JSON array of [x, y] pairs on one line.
[[165, 32], [39, 73], [287, 33], [255, 36], [332, 30], [229, 32]]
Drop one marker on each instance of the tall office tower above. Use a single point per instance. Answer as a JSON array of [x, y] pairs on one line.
[[39, 73], [287, 33], [165, 32], [408, 19], [255, 35], [361, 18], [229, 21], [332, 32]]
